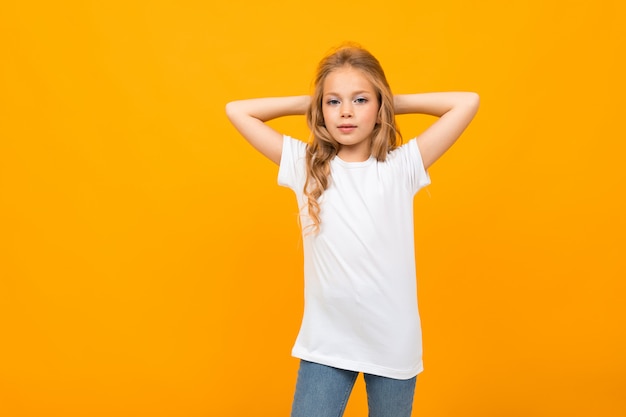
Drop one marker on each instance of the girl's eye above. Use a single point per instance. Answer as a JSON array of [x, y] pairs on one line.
[[332, 101], [361, 100]]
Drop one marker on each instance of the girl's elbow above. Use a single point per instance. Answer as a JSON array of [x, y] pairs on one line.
[[229, 108], [473, 100], [470, 103], [233, 110]]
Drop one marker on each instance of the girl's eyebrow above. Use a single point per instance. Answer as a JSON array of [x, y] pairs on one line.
[[356, 93]]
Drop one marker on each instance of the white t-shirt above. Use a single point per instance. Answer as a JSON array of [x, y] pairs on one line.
[[360, 295]]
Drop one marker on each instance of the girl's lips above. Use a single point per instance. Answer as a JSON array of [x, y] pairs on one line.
[[346, 128]]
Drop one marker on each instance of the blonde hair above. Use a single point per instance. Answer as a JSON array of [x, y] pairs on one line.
[[322, 148]]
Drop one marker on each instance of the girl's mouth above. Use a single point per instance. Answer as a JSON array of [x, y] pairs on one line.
[[346, 128]]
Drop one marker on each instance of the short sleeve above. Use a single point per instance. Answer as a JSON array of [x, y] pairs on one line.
[[409, 160], [421, 178], [291, 171]]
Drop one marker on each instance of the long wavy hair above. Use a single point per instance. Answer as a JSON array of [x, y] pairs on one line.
[[322, 148]]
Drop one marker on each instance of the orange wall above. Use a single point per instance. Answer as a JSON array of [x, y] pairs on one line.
[[150, 265]]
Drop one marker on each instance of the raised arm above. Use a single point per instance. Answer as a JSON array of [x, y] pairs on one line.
[[249, 117], [455, 111]]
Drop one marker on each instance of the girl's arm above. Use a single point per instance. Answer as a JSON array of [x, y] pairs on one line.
[[455, 111], [249, 117]]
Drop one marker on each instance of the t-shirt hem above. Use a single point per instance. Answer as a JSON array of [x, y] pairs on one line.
[[359, 366]]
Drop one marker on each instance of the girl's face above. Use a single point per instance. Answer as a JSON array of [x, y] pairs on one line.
[[350, 110]]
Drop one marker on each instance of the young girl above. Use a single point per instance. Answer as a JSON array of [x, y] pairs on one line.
[[355, 189]]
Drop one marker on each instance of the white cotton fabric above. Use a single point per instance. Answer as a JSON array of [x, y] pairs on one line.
[[360, 295]]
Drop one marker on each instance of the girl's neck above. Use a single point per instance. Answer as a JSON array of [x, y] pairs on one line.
[[354, 153]]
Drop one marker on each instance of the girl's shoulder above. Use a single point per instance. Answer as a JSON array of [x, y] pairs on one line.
[[406, 161], [295, 148], [408, 148]]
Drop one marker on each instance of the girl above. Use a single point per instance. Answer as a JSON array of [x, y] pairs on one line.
[[355, 189]]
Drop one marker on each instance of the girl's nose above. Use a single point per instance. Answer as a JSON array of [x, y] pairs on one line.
[[346, 110]]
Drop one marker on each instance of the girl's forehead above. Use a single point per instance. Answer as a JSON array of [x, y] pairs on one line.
[[347, 78]]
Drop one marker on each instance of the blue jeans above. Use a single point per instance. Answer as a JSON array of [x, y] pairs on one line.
[[323, 391]]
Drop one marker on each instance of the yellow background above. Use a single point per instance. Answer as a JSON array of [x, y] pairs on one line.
[[150, 265]]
